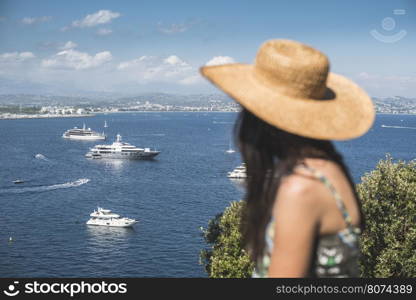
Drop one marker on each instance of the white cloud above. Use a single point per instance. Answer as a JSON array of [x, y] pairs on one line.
[[70, 70], [176, 28], [31, 21], [364, 75], [15, 57], [194, 79], [69, 45], [377, 84], [135, 62], [72, 59], [401, 79], [220, 60], [99, 18], [173, 28], [382, 79], [26, 55], [104, 31], [174, 60], [170, 69]]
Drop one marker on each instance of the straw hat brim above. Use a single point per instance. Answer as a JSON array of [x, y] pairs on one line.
[[346, 112]]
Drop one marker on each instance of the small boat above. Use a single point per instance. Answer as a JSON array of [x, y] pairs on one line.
[[230, 150], [105, 217], [18, 181], [105, 124]]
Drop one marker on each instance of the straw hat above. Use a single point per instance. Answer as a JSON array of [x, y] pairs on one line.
[[290, 87]]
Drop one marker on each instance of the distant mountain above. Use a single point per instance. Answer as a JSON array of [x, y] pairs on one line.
[[29, 99], [107, 99], [176, 99], [395, 104]]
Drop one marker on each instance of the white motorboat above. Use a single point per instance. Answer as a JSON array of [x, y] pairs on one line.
[[83, 134], [230, 150], [240, 172], [122, 150], [105, 217]]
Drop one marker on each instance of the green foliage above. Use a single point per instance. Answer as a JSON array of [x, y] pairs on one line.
[[388, 244], [226, 257]]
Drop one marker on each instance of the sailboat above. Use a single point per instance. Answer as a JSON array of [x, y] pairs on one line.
[[230, 150], [105, 124]]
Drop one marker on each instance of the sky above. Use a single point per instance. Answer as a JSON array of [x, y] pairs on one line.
[[132, 47]]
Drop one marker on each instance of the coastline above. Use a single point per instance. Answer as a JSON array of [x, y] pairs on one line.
[[166, 111], [51, 116], [42, 116], [404, 114]]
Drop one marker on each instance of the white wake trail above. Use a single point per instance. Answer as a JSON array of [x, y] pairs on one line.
[[41, 156], [399, 127], [32, 189]]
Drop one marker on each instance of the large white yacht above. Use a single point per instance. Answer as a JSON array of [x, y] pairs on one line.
[[120, 149], [83, 134], [240, 172], [104, 217]]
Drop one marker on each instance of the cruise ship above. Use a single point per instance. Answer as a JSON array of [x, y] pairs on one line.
[[83, 134], [239, 173], [105, 217], [122, 150]]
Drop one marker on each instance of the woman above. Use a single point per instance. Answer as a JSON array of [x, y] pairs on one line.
[[303, 216]]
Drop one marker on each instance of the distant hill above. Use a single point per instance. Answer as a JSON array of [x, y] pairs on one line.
[[395, 104], [159, 98], [177, 99]]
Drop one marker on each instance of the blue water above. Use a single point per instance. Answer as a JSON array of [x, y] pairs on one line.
[[172, 196]]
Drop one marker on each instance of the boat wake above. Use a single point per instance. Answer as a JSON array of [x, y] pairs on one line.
[[44, 188], [221, 122], [399, 127], [41, 156]]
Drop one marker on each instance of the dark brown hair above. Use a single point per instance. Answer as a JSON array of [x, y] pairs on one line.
[[270, 154]]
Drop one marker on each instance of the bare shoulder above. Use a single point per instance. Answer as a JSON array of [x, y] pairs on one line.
[[297, 184], [298, 192], [296, 222]]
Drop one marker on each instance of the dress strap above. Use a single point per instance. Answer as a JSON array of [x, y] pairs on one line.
[[340, 203]]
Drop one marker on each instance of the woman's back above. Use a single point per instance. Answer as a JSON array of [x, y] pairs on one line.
[[315, 213], [322, 176]]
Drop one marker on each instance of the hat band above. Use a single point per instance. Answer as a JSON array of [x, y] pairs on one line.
[[306, 87]]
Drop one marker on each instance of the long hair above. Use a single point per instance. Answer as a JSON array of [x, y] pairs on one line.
[[270, 154]]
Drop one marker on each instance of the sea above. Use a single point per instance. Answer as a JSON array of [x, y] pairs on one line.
[[172, 196]]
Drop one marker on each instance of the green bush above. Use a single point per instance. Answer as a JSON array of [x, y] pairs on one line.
[[226, 257], [388, 244]]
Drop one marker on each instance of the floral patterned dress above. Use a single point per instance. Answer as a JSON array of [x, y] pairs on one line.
[[335, 255]]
